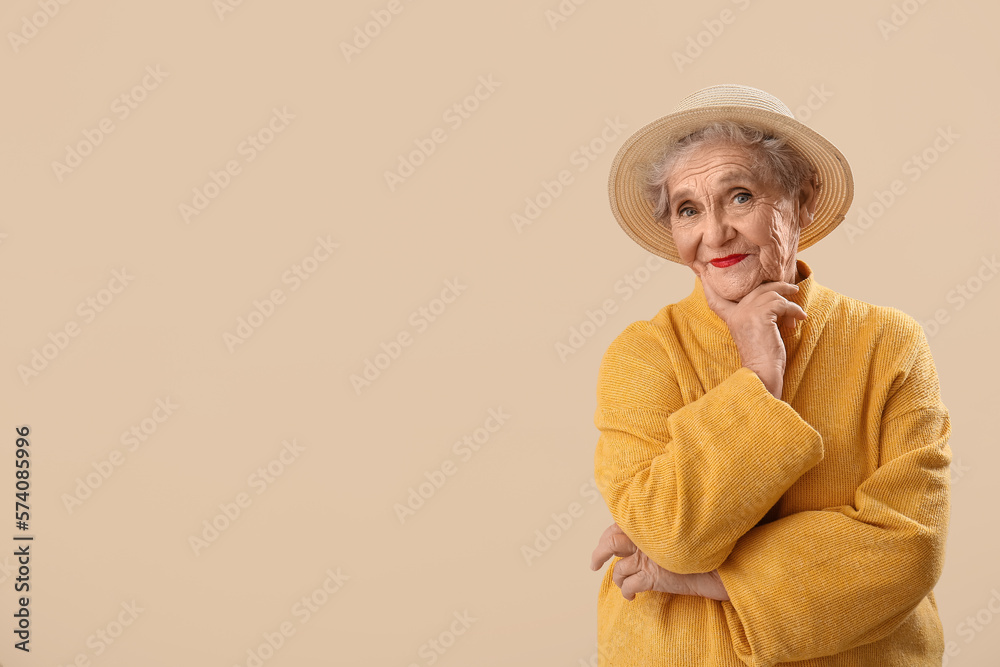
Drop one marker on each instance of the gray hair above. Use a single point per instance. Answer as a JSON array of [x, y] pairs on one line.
[[771, 156]]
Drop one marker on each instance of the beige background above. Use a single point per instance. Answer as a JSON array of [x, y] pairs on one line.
[[882, 97]]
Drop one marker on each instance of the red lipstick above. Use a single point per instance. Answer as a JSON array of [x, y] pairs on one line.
[[729, 260]]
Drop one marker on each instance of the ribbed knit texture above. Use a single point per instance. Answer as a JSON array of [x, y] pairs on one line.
[[825, 512]]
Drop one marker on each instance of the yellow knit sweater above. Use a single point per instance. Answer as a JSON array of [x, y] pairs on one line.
[[825, 512]]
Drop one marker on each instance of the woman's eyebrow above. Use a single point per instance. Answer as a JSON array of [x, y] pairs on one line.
[[728, 178]]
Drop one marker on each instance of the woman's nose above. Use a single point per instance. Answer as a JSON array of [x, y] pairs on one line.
[[718, 231]]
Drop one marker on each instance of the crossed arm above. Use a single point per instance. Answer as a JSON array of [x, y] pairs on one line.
[[687, 484]]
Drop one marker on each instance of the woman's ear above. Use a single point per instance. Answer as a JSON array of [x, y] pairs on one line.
[[808, 197]]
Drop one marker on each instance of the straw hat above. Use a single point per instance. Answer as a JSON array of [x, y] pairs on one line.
[[741, 104]]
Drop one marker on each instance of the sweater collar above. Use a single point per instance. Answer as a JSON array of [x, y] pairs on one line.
[[697, 306]]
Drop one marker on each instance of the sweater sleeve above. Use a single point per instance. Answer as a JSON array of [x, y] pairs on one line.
[[684, 482], [817, 583]]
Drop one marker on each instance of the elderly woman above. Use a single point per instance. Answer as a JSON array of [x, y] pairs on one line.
[[774, 454]]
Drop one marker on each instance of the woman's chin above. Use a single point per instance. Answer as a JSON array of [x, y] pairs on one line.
[[735, 295], [728, 290]]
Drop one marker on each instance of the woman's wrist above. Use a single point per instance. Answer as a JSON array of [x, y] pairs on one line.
[[718, 589], [772, 381], [702, 584]]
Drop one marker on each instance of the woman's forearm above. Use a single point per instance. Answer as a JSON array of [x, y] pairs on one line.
[[687, 483]]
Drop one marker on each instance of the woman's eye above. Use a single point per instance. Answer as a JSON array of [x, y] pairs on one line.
[[742, 198], [686, 212]]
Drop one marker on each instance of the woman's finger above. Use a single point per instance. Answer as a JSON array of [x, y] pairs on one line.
[[637, 583], [630, 576], [765, 292], [779, 286], [613, 542], [781, 306], [602, 552], [625, 567], [790, 309]]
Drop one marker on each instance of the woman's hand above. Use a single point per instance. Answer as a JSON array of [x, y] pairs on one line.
[[753, 323], [636, 573]]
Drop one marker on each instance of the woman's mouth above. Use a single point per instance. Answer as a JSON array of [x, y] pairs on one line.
[[729, 260]]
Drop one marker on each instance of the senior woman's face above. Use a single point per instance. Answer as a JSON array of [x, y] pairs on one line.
[[720, 207]]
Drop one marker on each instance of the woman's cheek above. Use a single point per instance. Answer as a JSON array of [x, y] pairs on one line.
[[785, 242], [789, 247], [769, 263], [687, 253]]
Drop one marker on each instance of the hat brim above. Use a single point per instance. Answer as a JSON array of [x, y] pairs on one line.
[[635, 213]]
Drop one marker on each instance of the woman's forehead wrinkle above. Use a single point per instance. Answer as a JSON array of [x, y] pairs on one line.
[[732, 175]]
